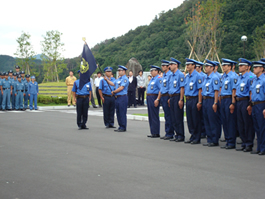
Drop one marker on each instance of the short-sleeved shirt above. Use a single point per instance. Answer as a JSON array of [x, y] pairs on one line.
[[229, 83], [258, 88], [193, 83], [177, 81], [210, 85], [6, 83], [26, 85], [154, 85], [165, 82], [105, 87], [243, 85], [19, 86], [83, 91], [203, 75], [122, 81]]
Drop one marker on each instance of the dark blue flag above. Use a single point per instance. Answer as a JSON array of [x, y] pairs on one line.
[[88, 66]]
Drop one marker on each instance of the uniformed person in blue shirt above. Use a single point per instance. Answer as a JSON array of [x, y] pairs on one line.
[[153, 89], [26, 96], [258, 105], [107, 98], [121, 100], [6, 90], [228, 104], [163, 97], [13, 97], [199, 66], [244, 120], [193, 89], [176, 101], [22, 73], [1, 96], [33, 91], [19, 88], [17, 68], [211, 108], [82, 96]]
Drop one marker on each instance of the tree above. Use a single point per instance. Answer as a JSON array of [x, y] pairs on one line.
[[24, 52], [53, 62], [259, 42]]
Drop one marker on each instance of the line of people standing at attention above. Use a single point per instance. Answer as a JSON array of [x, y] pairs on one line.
[[16, 90], [214, 102]]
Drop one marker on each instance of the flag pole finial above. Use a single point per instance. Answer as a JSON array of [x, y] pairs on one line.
[[84, 39]]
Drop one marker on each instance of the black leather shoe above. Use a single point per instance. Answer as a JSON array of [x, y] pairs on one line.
[[206, 144], [162, 137], [195, 142], [120, 130], [262, 153], [230, 147], [153, 136], [167, 138], [247, 149], [107, 127], [112, 127], [94, 106], [213, 144], [187, 142], [179, 140], [240, 149], [135, 106], [223, 140], [223, 147], [84, 127], [203, 136], [254, 152], [173, 139], [239, 142], [128, 106]]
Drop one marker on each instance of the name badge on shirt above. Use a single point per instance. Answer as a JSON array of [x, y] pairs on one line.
[[258, 88], [87, 86], [165, 82], [191, 85], [152, 85], [207, 87], [242, 85], [226, 84], [119, 83], [175, 83]]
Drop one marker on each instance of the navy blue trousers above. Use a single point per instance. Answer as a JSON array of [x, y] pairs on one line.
[[177, 115], [212, 121], [245, 124], [13, 99], [82, 105], [121, 104], [109, 110], [229, 122], [153, 115], [168, 123], [193, 119], [203, 131], [259, 125]]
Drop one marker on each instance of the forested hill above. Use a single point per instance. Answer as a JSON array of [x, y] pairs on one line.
[[165, 37]]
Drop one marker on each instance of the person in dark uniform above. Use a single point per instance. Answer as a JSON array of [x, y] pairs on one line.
[[163, 98], [108, 100], [82, 98], [228, 104], [244, 120], [257, 107], [176, 100], [193, 89], [6, 90], [131, 90], [152, 102], [19, 89], [1, 96], [26, 96], [17, 68], [211, 108], [121, 85]]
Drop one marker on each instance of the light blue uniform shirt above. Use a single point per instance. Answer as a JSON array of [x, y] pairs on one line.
[[154, 85], [229, 83], [33, 88], [165, 82], [122, 81], [26, 85], [203, 75], [243, 85], [19, 86], [6, 83], [258, 88], [83, 91], [210, 85], [105, 87], [193, 83], [177, 81]]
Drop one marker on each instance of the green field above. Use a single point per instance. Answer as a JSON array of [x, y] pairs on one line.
[[53, 89]]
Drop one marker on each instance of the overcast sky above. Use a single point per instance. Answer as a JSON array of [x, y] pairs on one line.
[[96, 20]]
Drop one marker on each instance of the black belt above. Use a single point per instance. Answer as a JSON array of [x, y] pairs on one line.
[[151, 94], [226, 96], [82, 96], [255, 103], [107, 95], [176, 94], [206, 97], [190, 97], [120, 95], [242, 98], [6, 88], [20, 90], [163, 95]]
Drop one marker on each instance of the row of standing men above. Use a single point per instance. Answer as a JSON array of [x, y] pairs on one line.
[[16, 90]]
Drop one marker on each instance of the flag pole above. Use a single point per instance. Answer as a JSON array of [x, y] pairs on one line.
[[84, 39]]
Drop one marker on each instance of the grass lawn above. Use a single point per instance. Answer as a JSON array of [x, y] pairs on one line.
[[160, 114], [53, 84]]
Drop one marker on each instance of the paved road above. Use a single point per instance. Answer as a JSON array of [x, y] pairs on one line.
[[44, 156]]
